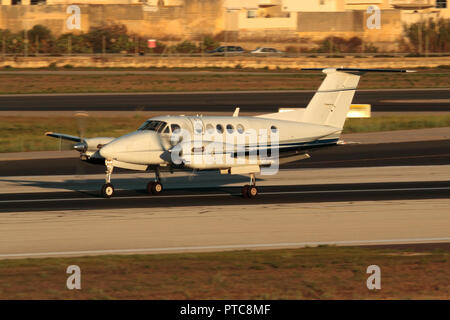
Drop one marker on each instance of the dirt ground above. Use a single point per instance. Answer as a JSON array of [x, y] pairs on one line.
[[70, 83], [309, 273]]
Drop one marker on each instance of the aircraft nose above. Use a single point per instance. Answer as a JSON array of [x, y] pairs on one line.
[[107, 151], [135, 143], [113, 149]]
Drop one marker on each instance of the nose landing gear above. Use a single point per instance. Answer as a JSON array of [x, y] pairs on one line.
[[108, 189], [155, 187], [250, 191]]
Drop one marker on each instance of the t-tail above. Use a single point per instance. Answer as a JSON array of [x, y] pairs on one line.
[[331, 103]]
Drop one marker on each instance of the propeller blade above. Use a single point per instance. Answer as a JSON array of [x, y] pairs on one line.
[[63, 136], [81, 118]]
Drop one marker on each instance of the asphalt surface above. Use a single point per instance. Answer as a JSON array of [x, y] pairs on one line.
[[341, 156], [421, 100], [90, 200]]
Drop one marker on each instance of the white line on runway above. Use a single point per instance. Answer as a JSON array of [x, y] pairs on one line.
[[229, 194], [231, 247]]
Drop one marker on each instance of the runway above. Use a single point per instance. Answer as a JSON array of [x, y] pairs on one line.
[[185, 189], [401, 100], [218, 228], [80, 200], [63, 215], [354, 194], [342, 156]]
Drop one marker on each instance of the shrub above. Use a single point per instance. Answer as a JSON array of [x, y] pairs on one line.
[[436, 33]]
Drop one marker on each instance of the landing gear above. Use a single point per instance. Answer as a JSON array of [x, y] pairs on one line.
[[108, 189], [155, 187], [250, 190]]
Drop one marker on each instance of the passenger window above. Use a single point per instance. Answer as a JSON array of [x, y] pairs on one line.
[[240, 128], [273, 129], [174, 127], [219, 128], [230, 128]]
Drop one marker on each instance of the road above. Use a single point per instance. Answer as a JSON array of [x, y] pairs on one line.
[[402, 100]]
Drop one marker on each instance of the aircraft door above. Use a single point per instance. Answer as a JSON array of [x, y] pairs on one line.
[[197, 125]]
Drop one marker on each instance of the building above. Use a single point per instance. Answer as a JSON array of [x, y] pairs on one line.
[[316, 19], [239, 20]]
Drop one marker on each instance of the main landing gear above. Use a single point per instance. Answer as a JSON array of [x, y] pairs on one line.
[[155, 187], [108, 189], [250, 191]]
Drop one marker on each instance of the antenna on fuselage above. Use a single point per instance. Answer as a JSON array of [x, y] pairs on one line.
[[236, 112]]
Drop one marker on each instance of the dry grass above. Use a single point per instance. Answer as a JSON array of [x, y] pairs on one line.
[[310, 273], [26, 83]]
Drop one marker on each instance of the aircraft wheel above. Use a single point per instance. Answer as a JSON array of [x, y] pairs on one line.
[[154, 187], [245, 191], [107, 190], [252, 191]]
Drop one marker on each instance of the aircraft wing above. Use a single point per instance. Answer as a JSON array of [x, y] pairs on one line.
[[63, 136]]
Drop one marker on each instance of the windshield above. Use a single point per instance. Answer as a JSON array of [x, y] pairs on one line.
[[153, 125]]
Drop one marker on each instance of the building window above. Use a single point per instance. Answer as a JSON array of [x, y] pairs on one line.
[[251, 14], [441, 4]]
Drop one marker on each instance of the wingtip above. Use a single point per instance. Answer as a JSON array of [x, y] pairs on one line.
[[48, 133]]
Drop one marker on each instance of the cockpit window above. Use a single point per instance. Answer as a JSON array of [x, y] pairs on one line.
[[153, 125], [161, 127], [167, 130], [174, 127]]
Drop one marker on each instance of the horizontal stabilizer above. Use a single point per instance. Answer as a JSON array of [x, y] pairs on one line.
[[359, 70]]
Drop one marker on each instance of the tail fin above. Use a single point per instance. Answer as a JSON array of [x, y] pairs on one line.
[[332, 101]]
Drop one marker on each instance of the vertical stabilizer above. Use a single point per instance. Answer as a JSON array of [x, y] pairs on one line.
[[332, 101]]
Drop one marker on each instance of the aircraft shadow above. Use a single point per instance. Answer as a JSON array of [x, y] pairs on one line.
[[202, 181]]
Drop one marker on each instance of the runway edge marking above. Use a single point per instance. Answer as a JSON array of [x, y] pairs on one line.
[[231, 247]]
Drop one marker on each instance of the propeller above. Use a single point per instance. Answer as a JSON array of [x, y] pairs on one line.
[[81, 118], [80, 169]]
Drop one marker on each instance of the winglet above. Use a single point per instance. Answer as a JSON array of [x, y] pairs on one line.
[[236, 112]]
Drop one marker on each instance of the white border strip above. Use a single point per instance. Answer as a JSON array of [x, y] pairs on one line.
[[229, 247]]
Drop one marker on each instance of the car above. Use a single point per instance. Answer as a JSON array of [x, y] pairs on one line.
[[265, 51], [229, 50]]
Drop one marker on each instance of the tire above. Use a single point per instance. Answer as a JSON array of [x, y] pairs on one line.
[[252, 191], [107, 190], [156, 188], [245, 191]]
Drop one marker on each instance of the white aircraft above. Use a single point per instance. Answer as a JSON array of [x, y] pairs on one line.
[[231, 144]]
